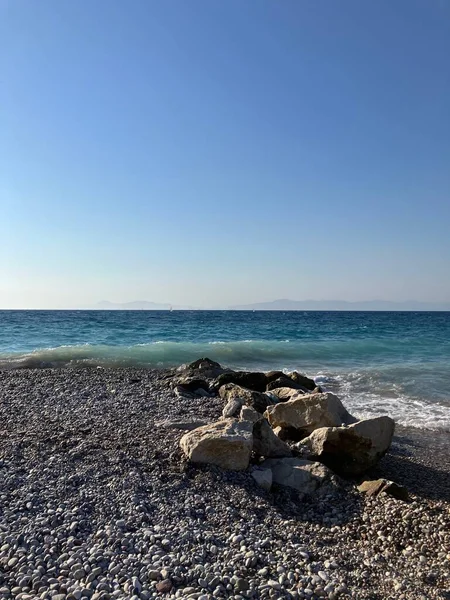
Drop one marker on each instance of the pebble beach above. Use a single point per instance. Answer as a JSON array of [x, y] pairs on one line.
[[98, 502]]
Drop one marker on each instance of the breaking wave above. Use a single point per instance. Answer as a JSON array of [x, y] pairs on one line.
[[414, 394]]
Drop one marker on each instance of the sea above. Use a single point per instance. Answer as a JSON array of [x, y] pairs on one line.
[[395, 363]]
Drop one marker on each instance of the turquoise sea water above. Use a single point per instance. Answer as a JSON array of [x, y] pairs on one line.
[[379, 362]]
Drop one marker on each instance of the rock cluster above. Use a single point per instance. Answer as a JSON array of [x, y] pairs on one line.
[[263, 412]]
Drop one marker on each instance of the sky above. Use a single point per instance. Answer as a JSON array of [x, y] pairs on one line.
[[209, 153]]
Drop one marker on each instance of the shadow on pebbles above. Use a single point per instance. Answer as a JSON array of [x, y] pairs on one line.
[[96, 501]]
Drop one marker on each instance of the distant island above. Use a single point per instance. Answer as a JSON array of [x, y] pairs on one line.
[[287, 305], [387, 305]]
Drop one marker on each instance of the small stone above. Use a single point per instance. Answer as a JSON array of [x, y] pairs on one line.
[[242, 585], [274, 584], [164, 586]]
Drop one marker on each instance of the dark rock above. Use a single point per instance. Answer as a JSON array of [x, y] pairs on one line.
[[290, 434], [273, 375], [257, 400], [246, 379], [201, 369], [302, 380], [284, 382], [192, 384], [203, 364]]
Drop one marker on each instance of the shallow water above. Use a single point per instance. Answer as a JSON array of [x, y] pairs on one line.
[[379, 362]]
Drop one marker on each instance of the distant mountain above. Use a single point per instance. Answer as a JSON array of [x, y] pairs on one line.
[[344, 305], [287, 305], [136, 305]]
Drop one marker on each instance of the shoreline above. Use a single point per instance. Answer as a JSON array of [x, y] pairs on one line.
[[440, 433], [93, 478]]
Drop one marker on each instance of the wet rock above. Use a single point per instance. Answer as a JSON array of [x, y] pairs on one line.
[[285, 382], [303, 381], [201, 369], [204, 364], [246, 379]]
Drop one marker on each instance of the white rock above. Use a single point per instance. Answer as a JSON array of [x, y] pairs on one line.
[[227, 444], [309, 412]]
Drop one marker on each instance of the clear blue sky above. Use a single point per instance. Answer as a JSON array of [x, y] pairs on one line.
[[220, 152]]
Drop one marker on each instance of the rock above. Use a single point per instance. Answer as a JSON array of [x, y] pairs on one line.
[[384, 486], [249, 414], [289, 433], [241, 585], [164, 586], [183, 425], [266, 443], [285, 382], [182, 393], [226, 444], [305, 382], [200, 370], [309, 412], [192, 384], [263, 478], [304, 476], [204, 364], [257, 400], [283, 394], [246, 379], [232, 408], [273, 375], [354, 449]]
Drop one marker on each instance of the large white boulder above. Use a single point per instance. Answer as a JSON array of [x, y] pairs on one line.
[[309, 412], [227, 444]]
